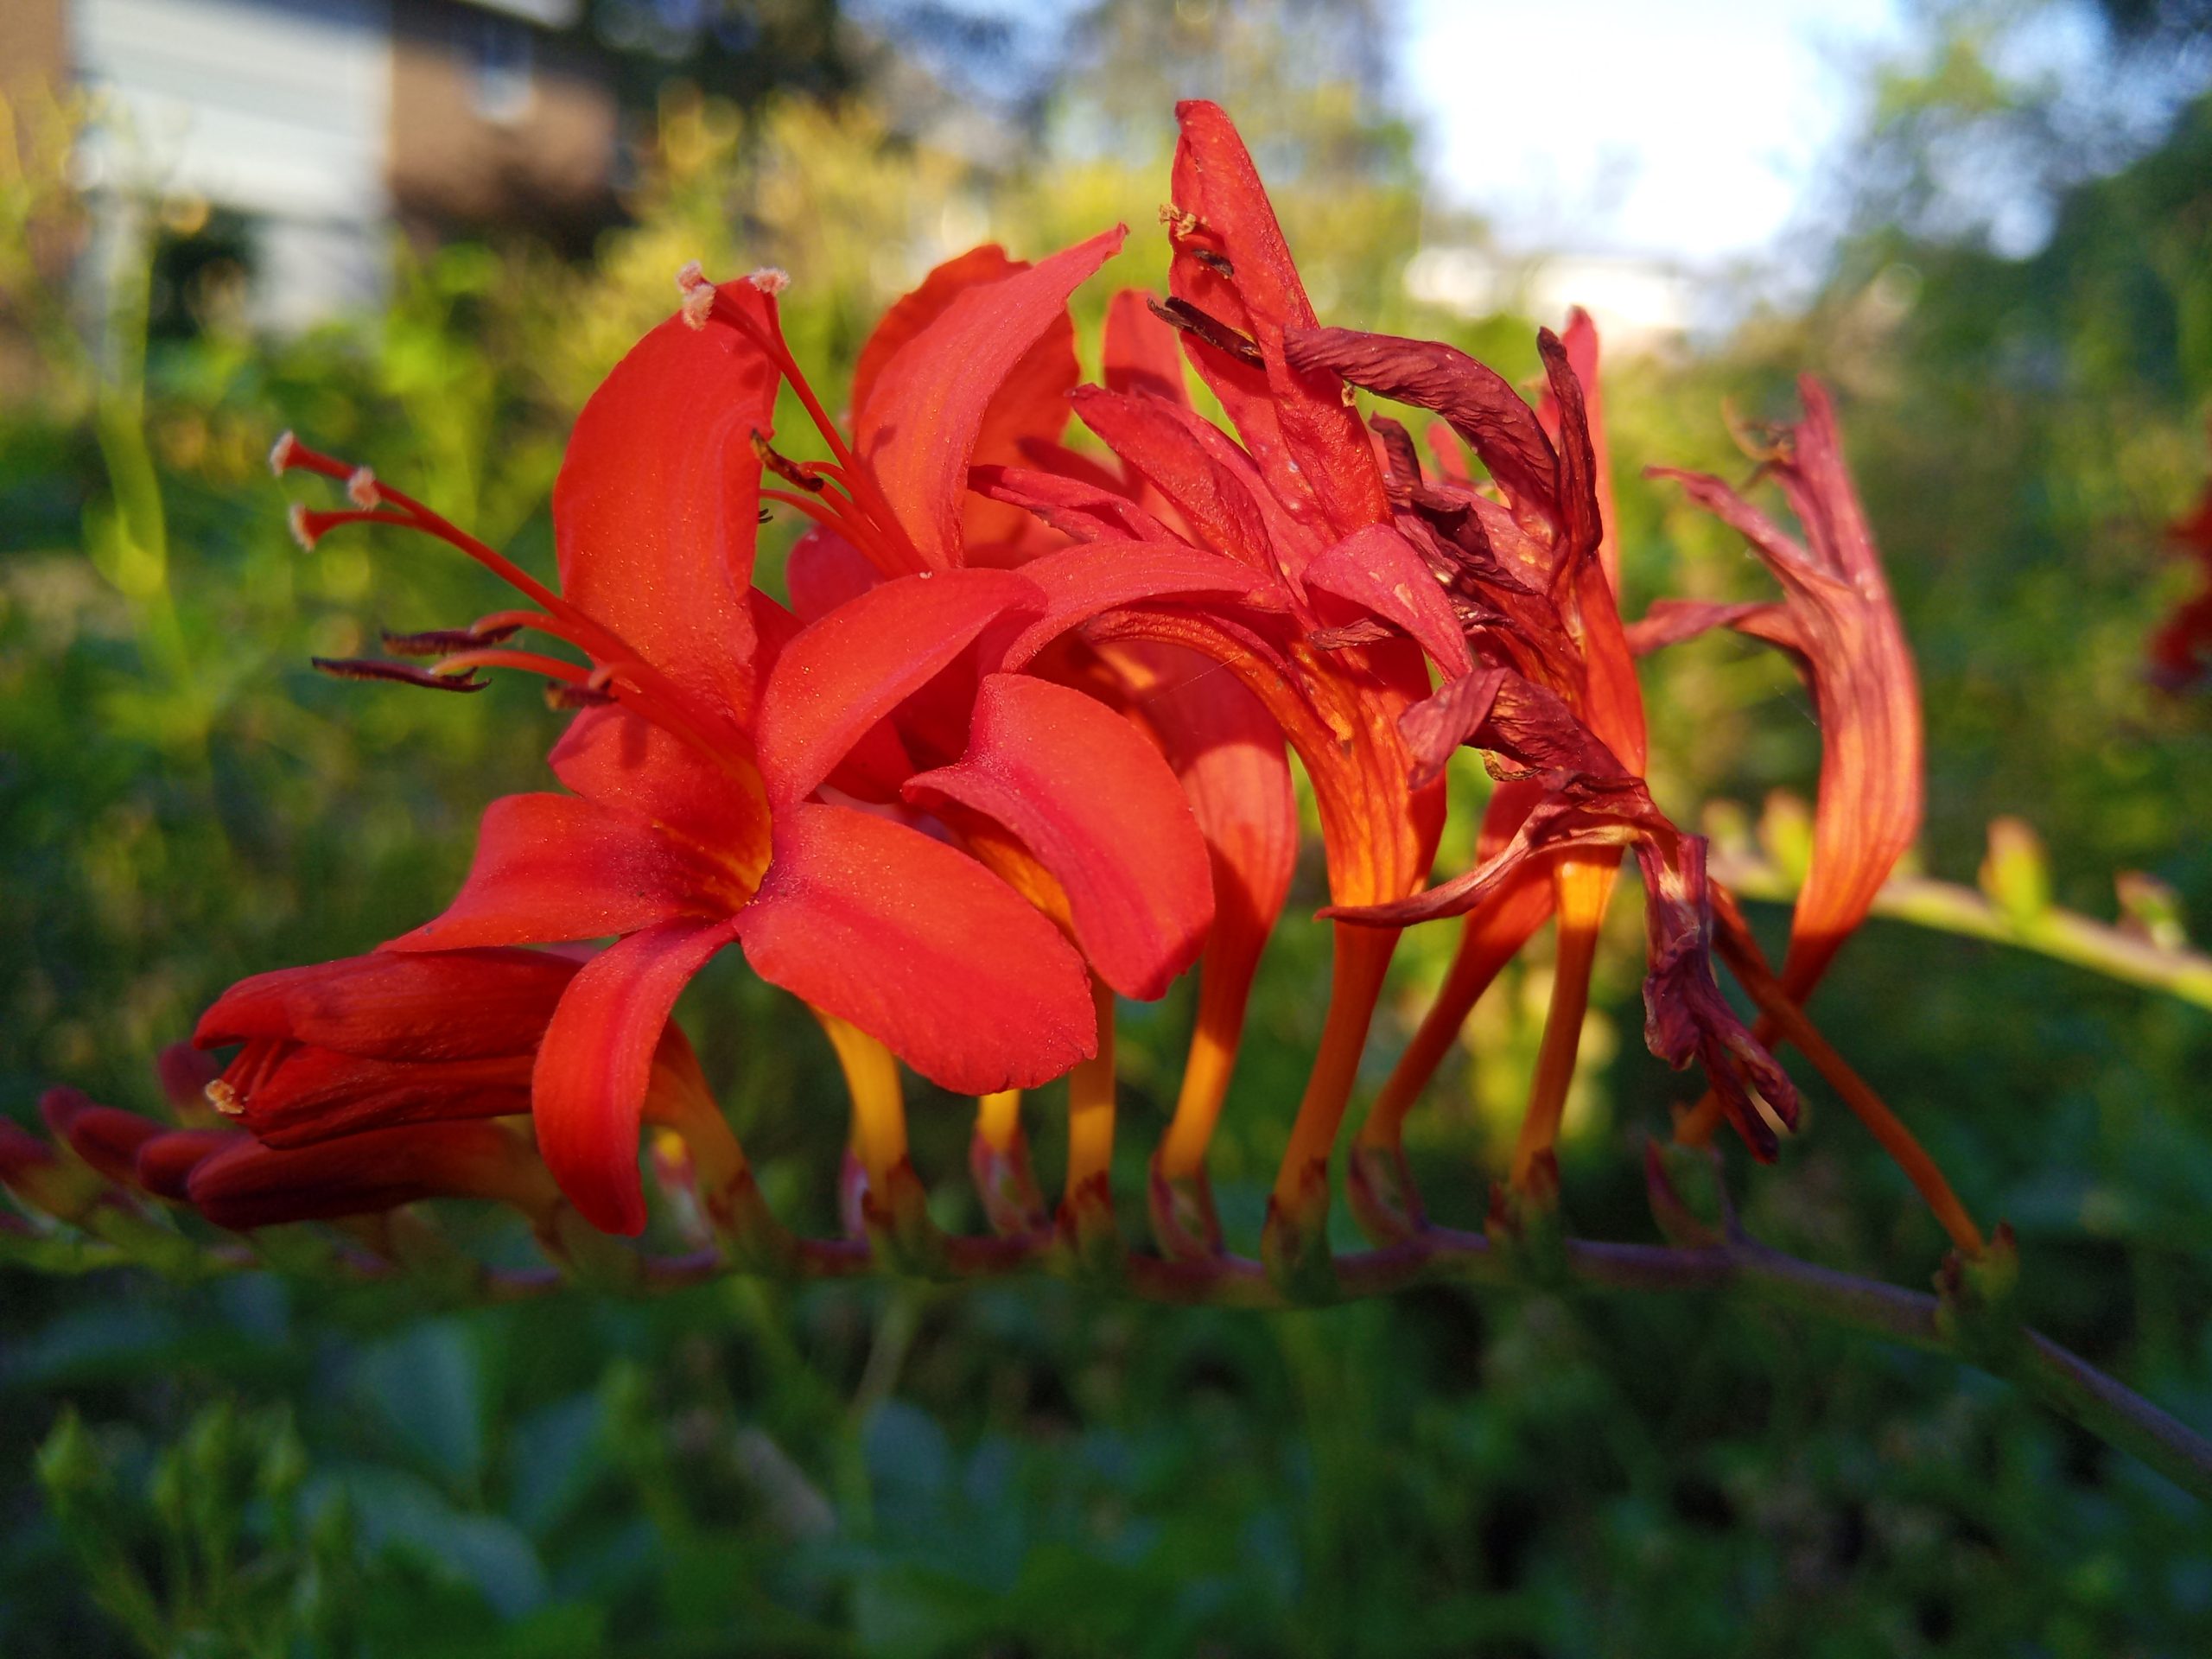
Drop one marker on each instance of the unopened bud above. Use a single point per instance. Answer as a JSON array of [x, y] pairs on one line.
[[2015, 874]]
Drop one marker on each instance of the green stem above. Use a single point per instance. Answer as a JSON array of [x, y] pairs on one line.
[[2064, 935]]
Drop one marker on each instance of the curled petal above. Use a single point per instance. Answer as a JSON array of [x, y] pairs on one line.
[[1686, 1017], [1097, 806], [919, 946], [1438, 725], [1481, 405], [1841, 623], [1670, 621], [588, 1088]]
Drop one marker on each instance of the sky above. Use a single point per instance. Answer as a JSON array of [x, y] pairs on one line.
[[1689, 130]]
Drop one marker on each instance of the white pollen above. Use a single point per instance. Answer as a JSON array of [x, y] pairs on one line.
[[770, 279], [280, 453], [361, 490], [297, 518]]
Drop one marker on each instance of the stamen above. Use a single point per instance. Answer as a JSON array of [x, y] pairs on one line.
[[1219, 264], [310, 527], [370, 668], [792, 472], [361, 489], [771, 279], [224, 1098], [654, 695], [1181, 314], [560, 694], [289, 454], [439, 642], [695, 293], [1180, 221]]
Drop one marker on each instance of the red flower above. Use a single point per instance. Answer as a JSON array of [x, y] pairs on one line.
[[1529, 580], [755, 780], [1325, 628], [1837, 619], [2181, 651]]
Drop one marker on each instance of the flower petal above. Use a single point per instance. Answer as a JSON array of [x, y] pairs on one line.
[[588, 1089], [1229, 754], [925, 410], [616, 759], [918, 945], [1141, 352], [1152, 436], [1079, 582], [457, 1005], [318, 1093], [1309, 444], [656, 506], [1074, 506], [248, 1185], [551, 869], [1480, 402], [1099, 808], [823, 571], [1377, 569], [854, 666]]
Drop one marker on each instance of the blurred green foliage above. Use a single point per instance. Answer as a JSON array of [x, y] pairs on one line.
[[246, 1468]]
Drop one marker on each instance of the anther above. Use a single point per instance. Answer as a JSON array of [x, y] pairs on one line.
[[224, 1098], [559, 694], [1217, 263], [303, 532], [771, 279], [361, 490], [784, 467], [1181, 314], [370, 668], [438, 642], [280, 453], [696, 293], [1180, 221]]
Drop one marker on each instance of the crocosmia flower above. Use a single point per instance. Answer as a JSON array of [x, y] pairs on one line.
[[735, 774]]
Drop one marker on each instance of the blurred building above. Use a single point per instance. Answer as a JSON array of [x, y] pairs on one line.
[[308, 128]]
